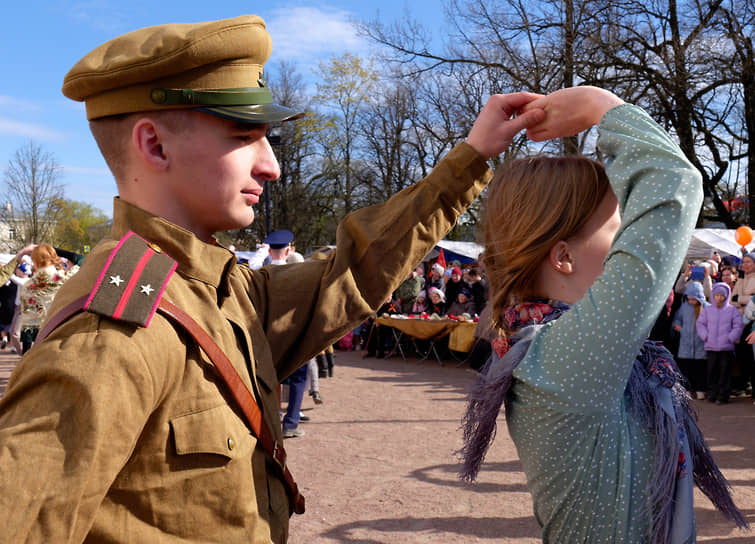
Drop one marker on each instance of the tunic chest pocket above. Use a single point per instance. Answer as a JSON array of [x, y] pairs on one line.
[[216, 431]]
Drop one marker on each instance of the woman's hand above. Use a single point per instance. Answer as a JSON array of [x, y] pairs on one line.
[[570, 111]]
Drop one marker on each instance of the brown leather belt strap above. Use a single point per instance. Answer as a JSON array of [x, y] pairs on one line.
[[63, 315], [240, 392], [227, 371]]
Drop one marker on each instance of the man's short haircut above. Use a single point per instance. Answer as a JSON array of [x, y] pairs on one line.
[[113, 134]]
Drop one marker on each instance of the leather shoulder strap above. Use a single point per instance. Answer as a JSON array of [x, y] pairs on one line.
[[227, 371], [240, 392]]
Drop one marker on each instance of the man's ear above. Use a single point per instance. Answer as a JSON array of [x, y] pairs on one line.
[[560, 258], [146, 138]]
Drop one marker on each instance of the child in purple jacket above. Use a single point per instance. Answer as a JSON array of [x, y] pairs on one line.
[[719, 326]]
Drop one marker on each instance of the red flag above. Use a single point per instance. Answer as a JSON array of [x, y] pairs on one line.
[[441, 259]]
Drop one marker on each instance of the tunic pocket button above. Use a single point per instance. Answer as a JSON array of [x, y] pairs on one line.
[[231, 443]]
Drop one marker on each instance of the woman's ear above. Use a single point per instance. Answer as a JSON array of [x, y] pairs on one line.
[[560, 259], [146, 138]]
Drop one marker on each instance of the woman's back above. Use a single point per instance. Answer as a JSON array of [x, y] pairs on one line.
[[38, 293]]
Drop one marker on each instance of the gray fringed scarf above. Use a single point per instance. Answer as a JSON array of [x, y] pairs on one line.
[[656, 397]]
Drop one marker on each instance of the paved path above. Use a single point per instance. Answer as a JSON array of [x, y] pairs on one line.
[[377, 462]]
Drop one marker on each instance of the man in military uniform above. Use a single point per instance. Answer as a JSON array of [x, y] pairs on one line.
[[116, 427], [279, 242]]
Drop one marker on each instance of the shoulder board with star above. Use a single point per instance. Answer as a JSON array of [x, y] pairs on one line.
[[132, 282]]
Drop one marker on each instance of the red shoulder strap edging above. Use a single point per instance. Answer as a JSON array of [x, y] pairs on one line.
[[225, 368]]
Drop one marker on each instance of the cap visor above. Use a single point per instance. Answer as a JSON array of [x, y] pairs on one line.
[[255, 113]]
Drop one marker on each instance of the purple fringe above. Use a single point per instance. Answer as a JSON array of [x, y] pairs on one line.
[[488, 395], [479, 423], [708, 477], [644, 407], [486, 398]]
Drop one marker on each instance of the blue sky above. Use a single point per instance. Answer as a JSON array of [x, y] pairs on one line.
[[40, 40]]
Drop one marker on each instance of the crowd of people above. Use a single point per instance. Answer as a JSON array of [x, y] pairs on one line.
[[707, 322], [33, 278], [431, 291]]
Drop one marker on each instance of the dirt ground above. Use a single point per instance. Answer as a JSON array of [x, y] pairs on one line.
[[377, 461]]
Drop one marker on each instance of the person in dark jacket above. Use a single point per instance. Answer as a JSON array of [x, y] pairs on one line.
[[462, 305], [378, 336], [437, 302], [454, 285], [478, 290]]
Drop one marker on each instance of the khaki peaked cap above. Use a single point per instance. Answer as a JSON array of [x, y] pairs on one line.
[[216, 66]]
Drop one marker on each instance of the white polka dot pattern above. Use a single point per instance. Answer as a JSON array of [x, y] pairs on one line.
[[586, 462]]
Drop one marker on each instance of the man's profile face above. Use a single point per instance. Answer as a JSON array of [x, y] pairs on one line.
[[218, 168]]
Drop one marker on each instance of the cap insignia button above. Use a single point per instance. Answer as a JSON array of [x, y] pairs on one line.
[[158, 96]]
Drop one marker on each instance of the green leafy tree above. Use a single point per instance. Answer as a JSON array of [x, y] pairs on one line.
[[79, 227], [344, 89]]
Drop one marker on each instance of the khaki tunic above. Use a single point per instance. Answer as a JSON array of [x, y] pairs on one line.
[[7, 270], [113, 433]]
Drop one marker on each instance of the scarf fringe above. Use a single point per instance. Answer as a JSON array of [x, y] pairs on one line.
[[663, 427], [486, 398], [705, 472], [489, 393], [479, 423]]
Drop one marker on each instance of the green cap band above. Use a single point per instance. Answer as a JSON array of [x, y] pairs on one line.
[[214, 97]]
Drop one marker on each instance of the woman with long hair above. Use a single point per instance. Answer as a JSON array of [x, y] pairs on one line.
[[580, 259], [39, 291]]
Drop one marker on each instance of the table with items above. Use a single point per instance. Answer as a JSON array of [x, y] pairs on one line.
[[460, 334]]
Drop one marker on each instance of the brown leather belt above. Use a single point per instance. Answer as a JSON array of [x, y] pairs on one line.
[[227, 371]]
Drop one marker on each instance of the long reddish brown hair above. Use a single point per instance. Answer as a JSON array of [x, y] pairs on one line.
[[532, 204], [44, 255]]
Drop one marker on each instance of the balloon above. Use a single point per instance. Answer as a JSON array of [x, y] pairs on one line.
[[743, 235]]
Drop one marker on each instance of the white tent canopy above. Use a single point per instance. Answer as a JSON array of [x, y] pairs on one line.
[[466, 252], [468, 249], [705, 241]]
